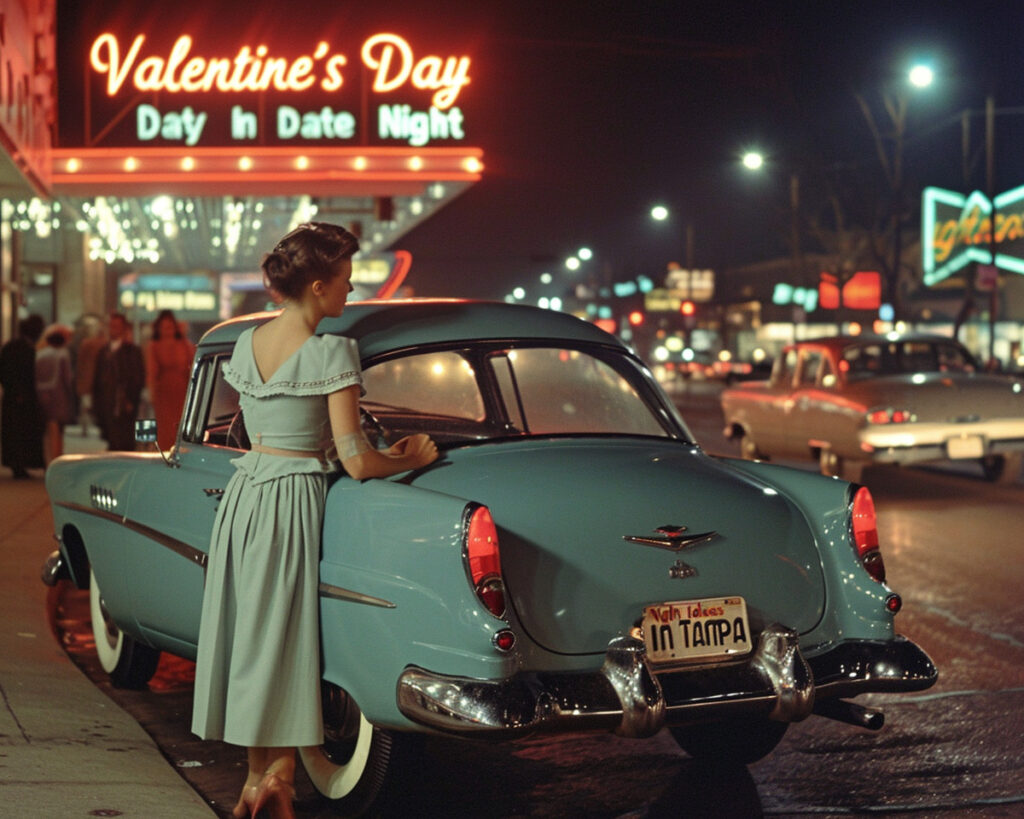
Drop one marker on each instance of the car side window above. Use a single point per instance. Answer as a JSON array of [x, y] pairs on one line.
[[810, 361], [441, 384], [829, 377], [558, 391], [785, 365], [213, 415]]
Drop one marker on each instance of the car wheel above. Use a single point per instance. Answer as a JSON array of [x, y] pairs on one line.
[[832, 465], [356, 761], [748, 449], [735, 740], [1002, 468], [129, 663]]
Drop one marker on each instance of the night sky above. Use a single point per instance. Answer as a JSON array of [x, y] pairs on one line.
[[589, 113]]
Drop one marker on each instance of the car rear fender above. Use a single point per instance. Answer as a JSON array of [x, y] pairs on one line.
[[854, 610], [395, 592]]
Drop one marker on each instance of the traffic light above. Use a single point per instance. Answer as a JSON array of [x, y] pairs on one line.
[[688, 310]]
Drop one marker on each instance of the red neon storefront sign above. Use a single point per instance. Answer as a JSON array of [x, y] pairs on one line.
[[862, 291]]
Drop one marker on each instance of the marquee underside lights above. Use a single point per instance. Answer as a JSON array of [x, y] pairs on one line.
[[206, 171], [956, 229]]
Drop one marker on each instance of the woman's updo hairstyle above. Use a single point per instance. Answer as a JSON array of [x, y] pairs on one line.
[[310, 252]]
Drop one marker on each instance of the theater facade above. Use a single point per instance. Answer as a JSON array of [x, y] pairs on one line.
[[149, 160]]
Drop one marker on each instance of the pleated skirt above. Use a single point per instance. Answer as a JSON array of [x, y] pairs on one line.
[[258, 661]]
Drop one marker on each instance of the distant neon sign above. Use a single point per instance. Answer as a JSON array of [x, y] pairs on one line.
[[957, 230]]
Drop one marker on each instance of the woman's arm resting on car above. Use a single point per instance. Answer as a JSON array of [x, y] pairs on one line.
[[360, 460]]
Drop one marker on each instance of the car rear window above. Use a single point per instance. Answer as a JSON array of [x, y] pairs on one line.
[[905, 357]]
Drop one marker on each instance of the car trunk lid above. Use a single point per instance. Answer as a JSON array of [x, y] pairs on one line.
[[564, 508]]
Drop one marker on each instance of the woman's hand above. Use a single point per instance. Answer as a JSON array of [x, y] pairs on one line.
[[419, 448]]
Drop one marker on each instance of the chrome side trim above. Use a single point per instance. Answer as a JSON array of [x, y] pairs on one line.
[[200, 558], [178, 546], [338, 593]]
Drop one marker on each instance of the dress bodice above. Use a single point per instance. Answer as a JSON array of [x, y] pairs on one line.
[[289, 409]]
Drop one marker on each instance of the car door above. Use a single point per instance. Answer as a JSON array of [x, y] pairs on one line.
[[767, 408], [804, 405], [172, 509]]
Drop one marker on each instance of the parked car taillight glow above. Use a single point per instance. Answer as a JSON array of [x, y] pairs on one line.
[[865, 533], [483, 560], [889, 416]]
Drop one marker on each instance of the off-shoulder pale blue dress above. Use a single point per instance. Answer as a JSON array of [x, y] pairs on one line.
[[258, 661]]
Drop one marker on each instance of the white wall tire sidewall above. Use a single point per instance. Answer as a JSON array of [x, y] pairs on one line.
[[108, 654], [338, 781]]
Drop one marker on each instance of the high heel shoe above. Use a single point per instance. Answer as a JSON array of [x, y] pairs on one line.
[[245, 807], [276, 796]]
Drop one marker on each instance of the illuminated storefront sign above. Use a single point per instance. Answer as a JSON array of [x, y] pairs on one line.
[[957, 230], [187, 93], [192, 297], [862, 291]]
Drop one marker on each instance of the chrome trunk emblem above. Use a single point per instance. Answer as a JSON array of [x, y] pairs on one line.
[[672, 538]]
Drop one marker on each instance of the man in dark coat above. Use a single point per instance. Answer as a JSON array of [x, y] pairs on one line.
[[117, 389], [21, 419]]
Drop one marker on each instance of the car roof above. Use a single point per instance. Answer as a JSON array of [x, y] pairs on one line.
[[388, 325], [837, 343]]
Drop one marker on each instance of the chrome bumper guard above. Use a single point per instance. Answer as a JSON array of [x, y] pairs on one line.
[[55, 569], [629, 699]]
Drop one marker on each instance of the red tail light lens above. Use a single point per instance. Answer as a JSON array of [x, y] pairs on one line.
[[483, 560], [865, 533], [889, 416]]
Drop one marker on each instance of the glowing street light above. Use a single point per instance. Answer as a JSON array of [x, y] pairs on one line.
[[659, 213], [753, 160], [921, 76], [573, 263]]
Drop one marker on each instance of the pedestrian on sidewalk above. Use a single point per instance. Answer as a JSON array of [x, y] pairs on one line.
[[168, 364], [21, 428], [117, 387], [94, 337], [55, 389]]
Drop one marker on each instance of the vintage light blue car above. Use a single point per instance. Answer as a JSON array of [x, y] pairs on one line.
[[573, 561]]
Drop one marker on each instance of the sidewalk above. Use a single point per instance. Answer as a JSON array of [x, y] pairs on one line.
[[66, 750]]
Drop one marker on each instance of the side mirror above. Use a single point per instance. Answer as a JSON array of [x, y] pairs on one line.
[[145, 431]]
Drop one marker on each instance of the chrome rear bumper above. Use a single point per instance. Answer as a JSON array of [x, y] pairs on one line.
[[629, 699]]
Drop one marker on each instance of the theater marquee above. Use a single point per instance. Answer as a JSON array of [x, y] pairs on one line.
[[184, 111], [324, 81]]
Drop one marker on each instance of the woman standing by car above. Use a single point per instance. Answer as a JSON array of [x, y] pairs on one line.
[[258, 670], [168, 362]]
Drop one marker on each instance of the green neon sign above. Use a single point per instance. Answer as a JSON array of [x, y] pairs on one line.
[[957, 230]]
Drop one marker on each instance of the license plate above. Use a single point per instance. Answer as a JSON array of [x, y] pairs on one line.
[[968, 446], [712, 629]]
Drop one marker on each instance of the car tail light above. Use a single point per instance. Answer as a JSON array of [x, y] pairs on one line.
[[483, 560], [865, 533], [889, 416]]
